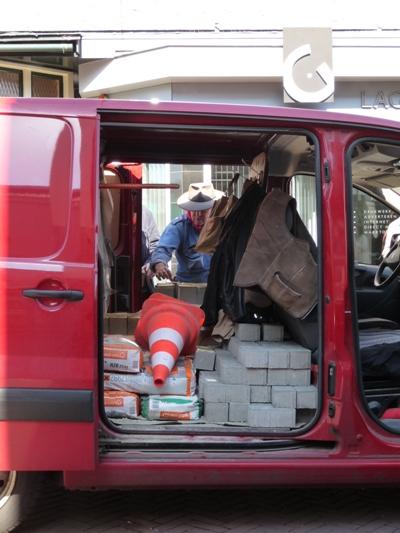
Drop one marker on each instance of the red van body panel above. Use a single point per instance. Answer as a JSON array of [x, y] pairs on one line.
[[238, 473], [48, 348]]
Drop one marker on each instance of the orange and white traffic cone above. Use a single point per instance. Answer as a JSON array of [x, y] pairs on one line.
[[167, 327]]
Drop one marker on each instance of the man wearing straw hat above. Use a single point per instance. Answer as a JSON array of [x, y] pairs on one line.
[[181, 234]]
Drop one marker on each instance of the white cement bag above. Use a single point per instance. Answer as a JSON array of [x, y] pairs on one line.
[[122, 354], [181, 381], [121, 404], [171, 408]]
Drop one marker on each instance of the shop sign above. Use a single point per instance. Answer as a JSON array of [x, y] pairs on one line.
[[307, 68], [380, 100]]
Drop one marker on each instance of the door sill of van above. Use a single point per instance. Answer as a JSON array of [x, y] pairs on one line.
[[118, 448], [125, 426], [199, 436], [158, 431]]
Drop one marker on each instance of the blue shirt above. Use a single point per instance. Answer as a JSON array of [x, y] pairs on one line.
[[181, 237]]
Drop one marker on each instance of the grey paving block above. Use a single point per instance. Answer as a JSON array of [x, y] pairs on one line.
[[307, 397], [299, 377], [345, 510], [289, 377], [216, 412], [224, 351], [204, 359], [257, 376], [300, 357], [253, 355], [223, 392], [277, 376], [203, 378], [284, 396], [191, 292], [272, 332], [250, 354], [265, 415], [260, 394], [248, 332], [279, 354], [232, 371], [166, 287], [233, 346], [238, 412]]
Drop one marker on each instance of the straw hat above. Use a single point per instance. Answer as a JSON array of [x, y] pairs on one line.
[[199, 197]]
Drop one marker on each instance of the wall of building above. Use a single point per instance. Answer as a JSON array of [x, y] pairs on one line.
[[377, 98], [181, 15]]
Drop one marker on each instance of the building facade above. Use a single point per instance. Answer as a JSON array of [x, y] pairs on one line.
[[333, 56]]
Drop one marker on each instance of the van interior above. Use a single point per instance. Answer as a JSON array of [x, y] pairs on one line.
[[227, 392]]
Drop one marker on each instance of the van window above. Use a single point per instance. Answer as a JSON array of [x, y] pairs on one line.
[[35, 185], [374, 222]]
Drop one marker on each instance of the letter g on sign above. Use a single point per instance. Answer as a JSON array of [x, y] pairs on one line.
[[323, 70]]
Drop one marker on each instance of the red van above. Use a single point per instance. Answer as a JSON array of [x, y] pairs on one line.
[[72, 177]]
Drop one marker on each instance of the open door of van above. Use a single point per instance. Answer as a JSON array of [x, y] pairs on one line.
[[48, 294]]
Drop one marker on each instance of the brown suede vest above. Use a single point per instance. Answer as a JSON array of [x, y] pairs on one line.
[[277, 261]]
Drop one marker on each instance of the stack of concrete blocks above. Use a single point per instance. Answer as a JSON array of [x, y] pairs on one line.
[[260, 381], [121, 323]]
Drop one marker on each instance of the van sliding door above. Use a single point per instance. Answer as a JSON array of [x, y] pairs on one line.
[[48, 300]]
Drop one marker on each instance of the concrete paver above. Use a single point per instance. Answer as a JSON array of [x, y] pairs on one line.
[[257, 511]]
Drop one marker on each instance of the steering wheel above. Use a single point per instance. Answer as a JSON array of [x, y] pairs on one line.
[[392, 260]]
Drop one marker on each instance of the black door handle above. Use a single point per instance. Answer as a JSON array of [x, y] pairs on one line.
[[72, 296]]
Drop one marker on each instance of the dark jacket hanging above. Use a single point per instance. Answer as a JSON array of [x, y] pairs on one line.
[[220, 292]]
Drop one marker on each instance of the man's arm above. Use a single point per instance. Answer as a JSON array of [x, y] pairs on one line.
[[169, 241]]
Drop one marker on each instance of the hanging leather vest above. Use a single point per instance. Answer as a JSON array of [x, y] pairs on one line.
[[277, 261]]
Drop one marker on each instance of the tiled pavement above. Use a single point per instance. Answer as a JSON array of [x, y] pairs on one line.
[[273, 510]]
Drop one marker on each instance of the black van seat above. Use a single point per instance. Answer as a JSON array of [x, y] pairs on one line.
[[380, 352], [379, 340], [384, 323]]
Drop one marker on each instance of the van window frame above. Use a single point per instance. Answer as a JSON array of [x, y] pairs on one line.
[[351, 269], [230, 432]]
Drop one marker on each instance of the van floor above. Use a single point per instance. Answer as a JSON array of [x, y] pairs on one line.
[[305, 416]]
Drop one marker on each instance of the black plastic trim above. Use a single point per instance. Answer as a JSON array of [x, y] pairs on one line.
[[71, 295], [328, 122], [331, 379], [46, 405]]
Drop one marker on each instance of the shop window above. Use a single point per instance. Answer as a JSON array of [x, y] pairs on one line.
[[46, 85], [157, 200], [302, 188], [223, 174], [10, 82]]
